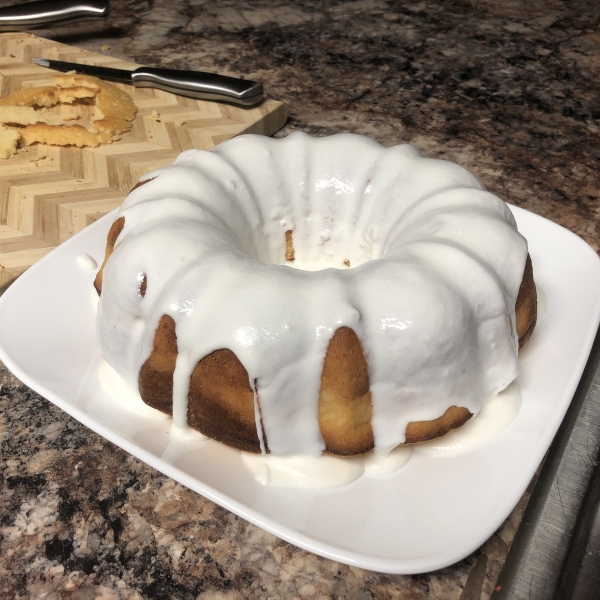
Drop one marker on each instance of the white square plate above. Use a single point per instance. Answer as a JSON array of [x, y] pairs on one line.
[[428, 515]]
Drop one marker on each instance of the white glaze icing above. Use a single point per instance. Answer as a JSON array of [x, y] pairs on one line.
[[85, 261], [304, 471], [128, 397], [436, 267], [94, 299], [495, 416], [187, 433], [327, 471], [377, 465], [542, 303]]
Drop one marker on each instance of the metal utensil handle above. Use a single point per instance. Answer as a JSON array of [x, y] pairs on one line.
[[43, 13], [206, 86]]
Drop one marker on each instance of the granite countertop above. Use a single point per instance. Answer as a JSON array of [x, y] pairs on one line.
[[505, 88]]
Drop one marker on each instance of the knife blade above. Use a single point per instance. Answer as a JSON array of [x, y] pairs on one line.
[[194, 84], [45, 13]]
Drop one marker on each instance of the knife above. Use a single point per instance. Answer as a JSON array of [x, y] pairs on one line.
[[45, 13], [194, 84]]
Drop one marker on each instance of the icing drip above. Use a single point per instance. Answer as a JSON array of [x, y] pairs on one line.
[[390, 463], [541, 304], [302, 471], [258, 421], [85, 261], [124, 394], [436, 267], [324, 472], [327, 471], [495, 415]]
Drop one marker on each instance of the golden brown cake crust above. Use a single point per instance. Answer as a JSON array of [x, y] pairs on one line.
[[345, 407], [221, 401], [111, 240], [526, 305]]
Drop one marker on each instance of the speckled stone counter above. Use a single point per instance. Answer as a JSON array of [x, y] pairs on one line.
[[507, 89]]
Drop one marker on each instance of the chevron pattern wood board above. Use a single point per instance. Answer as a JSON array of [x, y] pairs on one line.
[[47, 194]]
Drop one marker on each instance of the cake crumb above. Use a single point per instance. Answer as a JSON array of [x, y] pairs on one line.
[[178, 123], [346, 262], [105, 47], [155, 116]]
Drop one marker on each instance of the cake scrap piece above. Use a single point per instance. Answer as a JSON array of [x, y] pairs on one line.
[[57, 135], [114, 111], [47, 96], [8, 141], [20, 115], [114, 108]]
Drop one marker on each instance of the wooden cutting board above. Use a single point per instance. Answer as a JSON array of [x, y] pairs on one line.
[[47, 194]]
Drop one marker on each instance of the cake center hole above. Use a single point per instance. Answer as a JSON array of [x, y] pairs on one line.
[[325, 250]]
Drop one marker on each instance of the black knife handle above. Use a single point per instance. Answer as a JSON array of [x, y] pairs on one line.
[[47, 13], [205, 86]]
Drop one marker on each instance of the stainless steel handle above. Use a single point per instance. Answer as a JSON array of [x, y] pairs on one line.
[[196, 84], [45, 13]]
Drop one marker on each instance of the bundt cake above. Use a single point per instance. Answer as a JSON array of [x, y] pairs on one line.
[[310, 295]]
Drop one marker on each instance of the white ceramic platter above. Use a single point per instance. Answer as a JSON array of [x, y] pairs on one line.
[[430, 514]]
